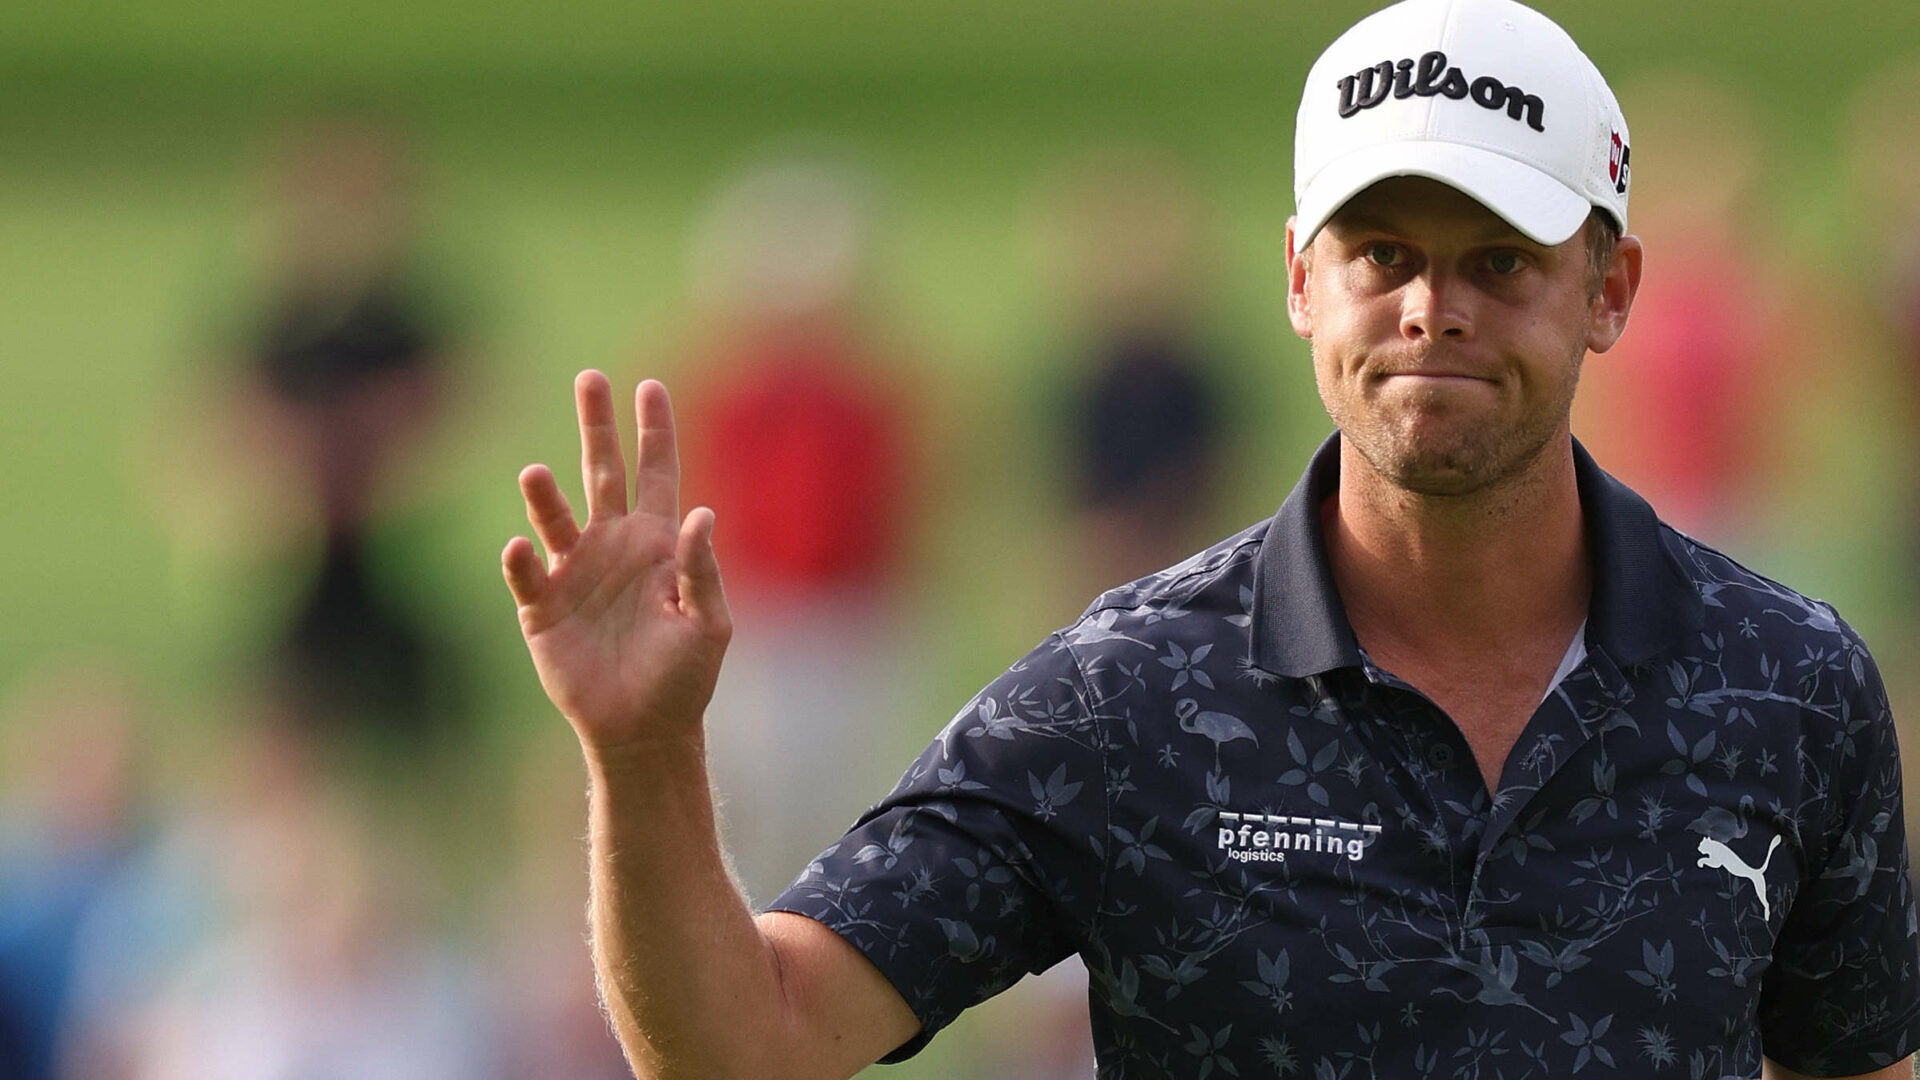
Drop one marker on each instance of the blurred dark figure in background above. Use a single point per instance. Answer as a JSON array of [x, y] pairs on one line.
[[801, 440], [1143, 407], [1884, 158], [68, 825], [1882, 133], [1681, 409], [347, 363], [14, 1060]]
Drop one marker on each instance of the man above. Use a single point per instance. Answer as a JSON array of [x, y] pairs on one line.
[[1460, 765]]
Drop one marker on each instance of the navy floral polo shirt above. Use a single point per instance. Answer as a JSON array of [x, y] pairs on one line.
[[1278, 859]]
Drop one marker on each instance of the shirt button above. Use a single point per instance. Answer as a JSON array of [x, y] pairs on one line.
[[1440, 756]]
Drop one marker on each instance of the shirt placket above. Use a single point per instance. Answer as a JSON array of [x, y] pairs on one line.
[[1435, 756], [1571, 717], [1476, 825]]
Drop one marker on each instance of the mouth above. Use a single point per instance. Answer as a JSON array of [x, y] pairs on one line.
[[1436, 378]]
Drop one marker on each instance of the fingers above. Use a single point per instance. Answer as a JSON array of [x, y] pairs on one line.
[[547, 510], [526, 575], [698, 573], [657, 478], [602, 468]]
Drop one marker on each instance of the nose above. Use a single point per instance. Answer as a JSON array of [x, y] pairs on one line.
[[1433, 306]]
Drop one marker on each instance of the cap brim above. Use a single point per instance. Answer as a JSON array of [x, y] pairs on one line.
[[1540, 207]]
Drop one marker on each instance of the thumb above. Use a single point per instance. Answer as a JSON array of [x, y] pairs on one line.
[[697, 575]]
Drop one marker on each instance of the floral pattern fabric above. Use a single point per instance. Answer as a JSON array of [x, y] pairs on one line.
[[1277, 859]]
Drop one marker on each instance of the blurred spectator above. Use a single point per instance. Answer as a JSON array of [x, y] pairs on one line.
[[1876, 324], [800, 436], [1142, 405], [347, 362], [1681, 409], [1883, 152], [550, 1022], [1039, 1030], [69, 821], [305, 958], [16, 1057]]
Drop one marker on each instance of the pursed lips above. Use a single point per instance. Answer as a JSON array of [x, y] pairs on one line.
[[1435, 376]]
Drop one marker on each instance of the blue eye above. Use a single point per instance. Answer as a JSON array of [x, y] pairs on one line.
[[1383, 254]]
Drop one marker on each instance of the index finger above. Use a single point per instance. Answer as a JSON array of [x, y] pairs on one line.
[[657, 479]]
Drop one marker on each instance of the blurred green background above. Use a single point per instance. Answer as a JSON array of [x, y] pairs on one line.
[[566, 149]]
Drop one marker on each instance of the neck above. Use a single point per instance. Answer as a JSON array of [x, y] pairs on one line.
[[1456, 575]]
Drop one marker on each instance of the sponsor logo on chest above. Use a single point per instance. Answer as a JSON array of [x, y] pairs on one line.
[[1273, 837]]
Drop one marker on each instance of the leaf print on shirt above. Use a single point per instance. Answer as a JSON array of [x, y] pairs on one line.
[[888, 854], [1656, 1045], [1306, 769], [995, 724], [1588, 1040], [1186, 665], [1272, 984], [1653, 814], [1207, 1049], [1602, 797], [1278, 1052], [981, 870], [1057, 792], [1133, 852], [955, 779], [1656, 970]]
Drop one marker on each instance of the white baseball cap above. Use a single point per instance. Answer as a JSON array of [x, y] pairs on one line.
[[1487, 96]]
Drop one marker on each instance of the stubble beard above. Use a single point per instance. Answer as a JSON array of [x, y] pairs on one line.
[[1445, 457]]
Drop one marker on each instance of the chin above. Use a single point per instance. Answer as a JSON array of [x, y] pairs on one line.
[[1440, 473], [1441, 459]]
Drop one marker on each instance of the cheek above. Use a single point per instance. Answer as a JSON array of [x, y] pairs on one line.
[[1554, 317], [1558, 347], [1345, 323], [1333, 379]]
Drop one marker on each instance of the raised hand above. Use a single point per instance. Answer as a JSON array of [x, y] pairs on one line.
[[626, 619]]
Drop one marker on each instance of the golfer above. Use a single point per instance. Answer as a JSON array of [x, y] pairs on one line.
[[1461, 765]]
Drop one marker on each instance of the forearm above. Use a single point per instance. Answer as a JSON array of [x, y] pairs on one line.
[[626, 622], [691, 984]]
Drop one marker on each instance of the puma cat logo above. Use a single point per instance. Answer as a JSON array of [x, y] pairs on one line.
[[1721, 857]]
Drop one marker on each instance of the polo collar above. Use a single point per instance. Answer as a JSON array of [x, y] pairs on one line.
[[1644, 601]]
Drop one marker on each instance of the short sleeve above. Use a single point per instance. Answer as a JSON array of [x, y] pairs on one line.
[[1842, 996], [984, 863]]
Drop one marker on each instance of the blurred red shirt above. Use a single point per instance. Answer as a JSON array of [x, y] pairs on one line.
[[802, 450]]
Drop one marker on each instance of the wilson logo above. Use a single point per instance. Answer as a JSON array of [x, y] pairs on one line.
[[1619, 164], [1431, 76]]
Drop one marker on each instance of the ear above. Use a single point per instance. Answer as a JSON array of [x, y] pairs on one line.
[[1608, 314], [1299, 268]]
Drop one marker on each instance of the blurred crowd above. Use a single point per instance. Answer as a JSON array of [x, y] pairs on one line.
[[312, 887]]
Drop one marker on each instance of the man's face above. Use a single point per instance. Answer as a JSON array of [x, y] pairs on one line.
[[1447, 345]]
